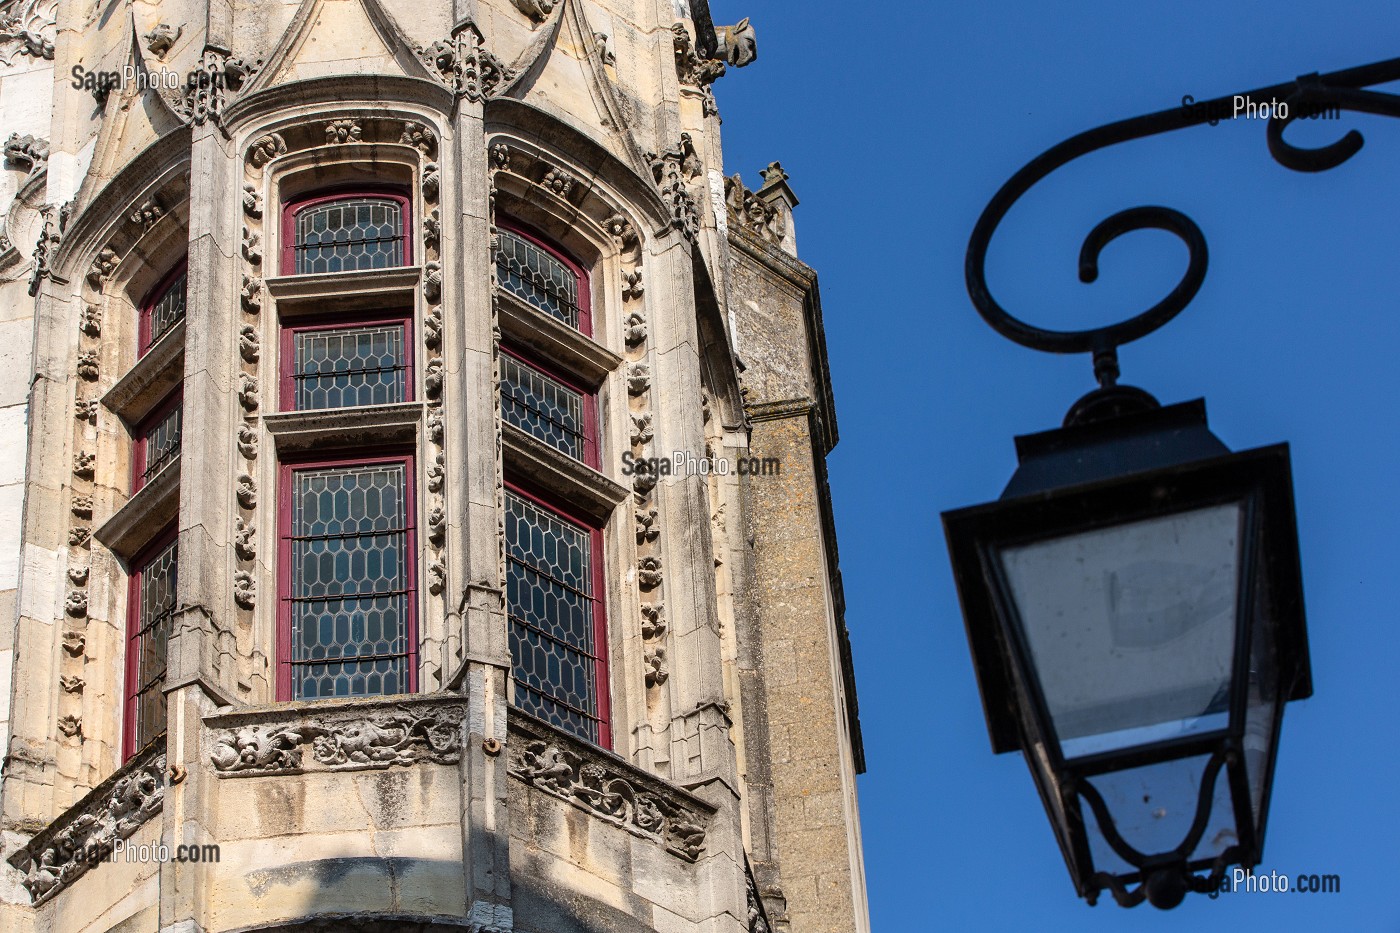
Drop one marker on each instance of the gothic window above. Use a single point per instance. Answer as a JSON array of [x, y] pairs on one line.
[[157, 442], [344, 365], [151, 604], [558, 633], [345, 232], [348, 592], [549, 408], [543, 278], [163, 308]]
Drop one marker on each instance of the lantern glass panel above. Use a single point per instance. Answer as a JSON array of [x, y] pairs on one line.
[[1262, 700], [1131, 628]]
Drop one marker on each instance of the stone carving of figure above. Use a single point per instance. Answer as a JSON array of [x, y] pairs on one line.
[[737, 45]]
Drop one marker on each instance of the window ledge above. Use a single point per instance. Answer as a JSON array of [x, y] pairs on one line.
[[536, 462], [151, 379], [369, 283], [524, 325], [152, 508], [369, 426]]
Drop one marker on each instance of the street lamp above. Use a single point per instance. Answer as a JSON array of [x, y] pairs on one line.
[[1134, 600]]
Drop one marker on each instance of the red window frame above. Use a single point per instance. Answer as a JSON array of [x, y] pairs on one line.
[[296, 205], [140, 442], [585, 293], [153, 297], [285, 491], [601, 645], [132, 664], [287, 364], [591, 456]]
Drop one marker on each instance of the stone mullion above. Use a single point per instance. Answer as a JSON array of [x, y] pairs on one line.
[[475, 506]]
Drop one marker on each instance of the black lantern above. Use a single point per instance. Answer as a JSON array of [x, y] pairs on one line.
[[1134, 607]]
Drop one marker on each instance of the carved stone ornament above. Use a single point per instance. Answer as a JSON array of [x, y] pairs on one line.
[[632, 289], [266, 148], [146, 214], [537, 10], [343, 131], [90, 321], [432, 230], [27, 28], [432, 379], [248, 442], [28, 152], [245, 589], [421, 138], [638, 378], [86, 409], [430, 181], [248, 393], [672, 169], [655, 661], [46, 247], [251, 294], [252, 246], [737, 44], [605, 50], [80, 536], [435, 427], [70, 725], [160, 39], [653, 620], [647, 531], [649, 573], [84, 464], [103, 265], [437, 577], [691, 69], [432, 282], [464, 64], [558, 181], [432, 329], [88, 365], [437, 526], [751, 212], [114, 810], [641, 429], [341, 742], [620, 228], [78, 575], [757, 920], [74, 643], [71, 683], [643, 481], [609, 789], [249, 344], [500, 157], [76, 604], [252, 202], [436, 475], [211, 85], [244, 540], [247, 491]]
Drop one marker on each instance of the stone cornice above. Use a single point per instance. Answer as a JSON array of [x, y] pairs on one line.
[[606, 786], [541, 465], [370, 426], [151, 379], [65, 849], [144, 515], [527, 326]]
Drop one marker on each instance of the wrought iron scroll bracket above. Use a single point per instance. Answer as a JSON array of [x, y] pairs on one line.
[[1339, 90]]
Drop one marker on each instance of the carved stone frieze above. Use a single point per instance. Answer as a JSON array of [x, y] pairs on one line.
[[432, 282], [78, 575], [431, 181], [343, 131], [70, 725], [432, 379], [345, 740], [435, 427], [245, 543], [103, 265], [751, 212], [217, 79], [607, 788], [641, 429], [146, 214], [89, 365], [655, 663], [80, 536], [76, 604], [432, 230], [690, 67], [558, 181], [71, 683], [113, 810], [46, 247], [436, 475], [620, 229], [437, 526], [245, 589], [86, 409], [432, 327], [643, 482], [500, 157], [74, 643], [437, 577]]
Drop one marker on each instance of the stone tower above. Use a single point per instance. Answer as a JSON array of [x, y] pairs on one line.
[[413, 507]]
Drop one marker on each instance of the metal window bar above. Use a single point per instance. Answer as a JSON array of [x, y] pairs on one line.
[[527, 397], [537, 278], [349, 367], [162, 443], [167, 311], [344, 236], [157, 610]]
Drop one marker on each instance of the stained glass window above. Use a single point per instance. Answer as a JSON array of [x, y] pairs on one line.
[[538, 278], [160, 444], [163, 311], [351, 598], [553, 612], [542, 406], [348, 234], [349, 366], [153, 602]]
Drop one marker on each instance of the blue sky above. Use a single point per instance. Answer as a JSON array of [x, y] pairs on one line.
[[897, 127]]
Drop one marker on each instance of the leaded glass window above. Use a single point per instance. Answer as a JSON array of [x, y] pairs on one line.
[[543, 407], [164, 311], [537, 277], [160, 444], [349, 366], [153, 599], [554, 614], [349, 234], [351, 598]]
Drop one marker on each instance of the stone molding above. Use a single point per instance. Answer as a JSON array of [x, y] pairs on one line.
[[336, 735], [557, 472], [555, 341], [65, 849], [150, 379], [153, 507], [606, 786], [29, 30], [338, 427]]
